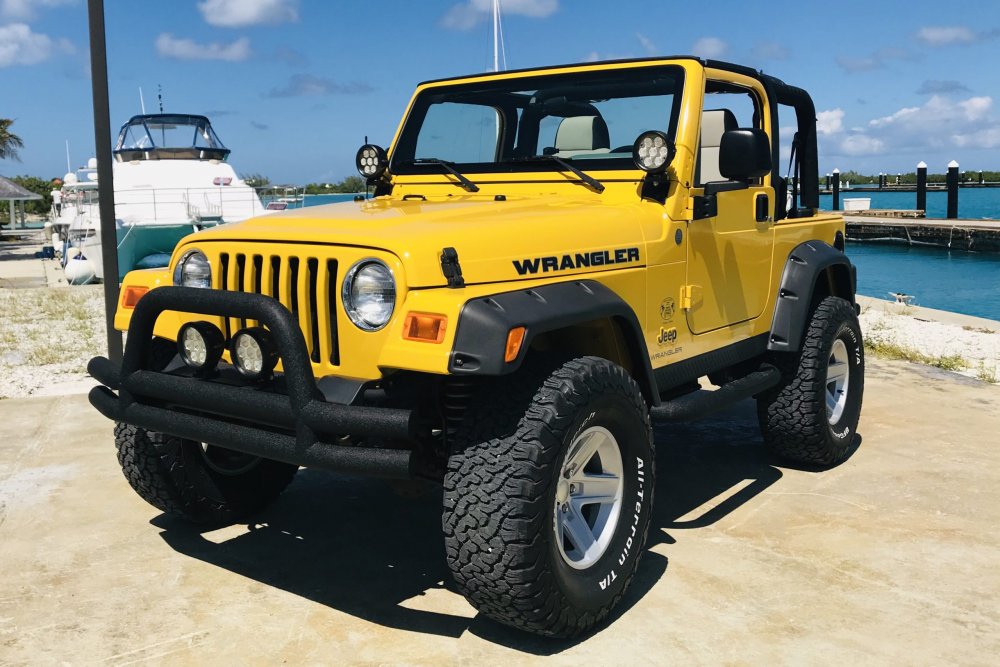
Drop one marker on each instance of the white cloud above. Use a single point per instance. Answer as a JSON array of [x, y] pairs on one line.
[[240, 13], [976, 108], [20, 46], [830, 122], [861, 144], [182, 48], [709, 47], [986, 138], [468, 14], [945, 35], [27, 9], [769, 51], [647, 44]]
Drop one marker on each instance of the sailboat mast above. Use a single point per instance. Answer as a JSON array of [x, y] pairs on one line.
[[69, 165], [496, 35]]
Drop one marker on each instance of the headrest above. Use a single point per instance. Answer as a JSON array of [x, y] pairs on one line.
[[715, 123], [582, 133]]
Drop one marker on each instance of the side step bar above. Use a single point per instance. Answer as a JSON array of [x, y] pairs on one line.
[[701, 403]]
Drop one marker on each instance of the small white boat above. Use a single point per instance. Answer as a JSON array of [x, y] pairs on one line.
[[903, 297], [172, 178]]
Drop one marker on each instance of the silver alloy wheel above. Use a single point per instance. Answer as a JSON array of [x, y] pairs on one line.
[[588, 497], [838, 374]]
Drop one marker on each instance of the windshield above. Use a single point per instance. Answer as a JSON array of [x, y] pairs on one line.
[[588, 118], [170, 135]]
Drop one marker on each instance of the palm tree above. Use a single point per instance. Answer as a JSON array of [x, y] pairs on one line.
[[9, 142]]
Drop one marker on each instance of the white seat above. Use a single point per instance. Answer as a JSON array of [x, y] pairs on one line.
[[714, 123], [582, 134]]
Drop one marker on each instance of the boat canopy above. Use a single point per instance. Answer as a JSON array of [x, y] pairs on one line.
[[169, 137]]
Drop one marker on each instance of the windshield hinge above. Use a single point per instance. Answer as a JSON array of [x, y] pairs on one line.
[[451, 269]]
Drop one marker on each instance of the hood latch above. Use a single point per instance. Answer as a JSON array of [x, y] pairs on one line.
[[451, 269]]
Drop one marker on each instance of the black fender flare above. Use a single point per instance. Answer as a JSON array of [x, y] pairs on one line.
[[806, 263], [484, 322]]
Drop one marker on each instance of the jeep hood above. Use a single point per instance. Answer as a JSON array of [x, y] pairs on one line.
[[495, 240]]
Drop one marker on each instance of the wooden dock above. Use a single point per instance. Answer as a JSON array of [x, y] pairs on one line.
[[968, 235]]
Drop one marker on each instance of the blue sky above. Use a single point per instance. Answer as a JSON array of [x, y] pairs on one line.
[[293, 86]]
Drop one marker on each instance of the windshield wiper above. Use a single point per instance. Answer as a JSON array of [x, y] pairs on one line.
[[586, 178], [466, 183]]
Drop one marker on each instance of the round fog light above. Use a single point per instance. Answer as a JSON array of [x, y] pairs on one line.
[[200, 345], [254, 353], [653, 151]]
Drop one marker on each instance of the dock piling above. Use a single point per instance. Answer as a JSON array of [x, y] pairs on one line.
[[836, 189], [952, 190], [922, 186]]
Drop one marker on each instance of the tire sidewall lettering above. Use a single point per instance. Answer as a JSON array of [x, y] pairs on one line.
[[594, 586]]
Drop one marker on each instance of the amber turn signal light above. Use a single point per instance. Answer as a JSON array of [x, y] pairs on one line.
[[132, 294], [514, 340], [425, 327]]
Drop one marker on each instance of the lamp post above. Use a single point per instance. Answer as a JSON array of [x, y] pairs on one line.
[[105, 172]]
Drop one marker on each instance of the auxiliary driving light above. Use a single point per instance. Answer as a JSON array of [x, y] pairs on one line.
[[254, 352], [653, 151], [371, 161], [200, 345]]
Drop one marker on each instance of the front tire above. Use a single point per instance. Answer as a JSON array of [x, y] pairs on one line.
[[202, 484], [812, 416], [548, 496]]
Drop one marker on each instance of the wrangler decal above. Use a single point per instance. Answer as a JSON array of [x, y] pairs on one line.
[[576, 261]]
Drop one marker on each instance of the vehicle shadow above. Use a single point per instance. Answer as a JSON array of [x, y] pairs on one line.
[[355, 546]]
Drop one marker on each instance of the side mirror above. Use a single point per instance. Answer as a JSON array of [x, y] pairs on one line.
[[371, 161], [744, 154]]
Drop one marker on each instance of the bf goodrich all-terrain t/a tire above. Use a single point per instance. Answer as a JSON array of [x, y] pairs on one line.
[[548, 495], [200, 483], [812, 416]]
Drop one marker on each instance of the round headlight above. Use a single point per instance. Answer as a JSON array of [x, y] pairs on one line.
[[200, 345], [254, 353], [371, 161], [369, 294], [193, 270], [653, 151]]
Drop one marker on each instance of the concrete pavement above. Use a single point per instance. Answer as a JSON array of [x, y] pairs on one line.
[[890, 558]]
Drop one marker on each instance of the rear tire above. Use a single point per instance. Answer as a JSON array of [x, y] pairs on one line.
[[548, 496], [207, 485], [812, 416]]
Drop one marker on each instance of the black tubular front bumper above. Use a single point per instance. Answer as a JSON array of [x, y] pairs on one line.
[[297, 426]]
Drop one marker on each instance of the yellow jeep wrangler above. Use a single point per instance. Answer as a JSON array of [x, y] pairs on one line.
[[548, 260]]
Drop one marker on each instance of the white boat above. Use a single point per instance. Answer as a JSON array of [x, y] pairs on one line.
[[171, 178]]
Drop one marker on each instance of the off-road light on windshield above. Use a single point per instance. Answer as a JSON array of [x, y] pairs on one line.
[[200, 345], [254, 352], [371, 161], [653, 151]]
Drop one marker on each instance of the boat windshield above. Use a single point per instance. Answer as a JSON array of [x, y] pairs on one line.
[[589, 118], [169, 136]]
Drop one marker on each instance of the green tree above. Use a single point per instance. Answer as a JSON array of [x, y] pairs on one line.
[[39, 187], [256, 180], [9, 142]]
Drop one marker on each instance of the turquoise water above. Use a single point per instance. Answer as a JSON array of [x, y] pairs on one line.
[[318, 200], [958, 281], [973, 203], [963, 282]]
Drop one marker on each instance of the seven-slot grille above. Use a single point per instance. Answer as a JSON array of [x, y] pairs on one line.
[[300, 283]]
